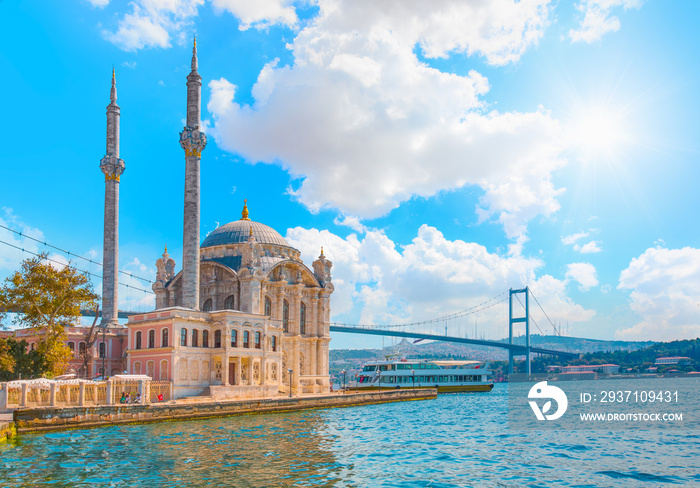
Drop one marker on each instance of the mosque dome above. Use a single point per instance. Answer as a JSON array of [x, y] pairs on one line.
[[239, 231]]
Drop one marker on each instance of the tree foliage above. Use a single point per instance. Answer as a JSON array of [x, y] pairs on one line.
[[17, 362], [47, 299]]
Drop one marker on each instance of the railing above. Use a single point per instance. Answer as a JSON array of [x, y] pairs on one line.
[[47, 393]]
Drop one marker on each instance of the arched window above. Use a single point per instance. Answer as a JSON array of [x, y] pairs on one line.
[[195, 338], [246, 338], [183, 337], [82, 348], [268, 306], [151, 339], [257, 340], [228, 303], [302, 319], [137, 368], [273, 343], [164, 338], [71, 346], [138, 340], [234, 338], [217, 338], [205, 338], [285, 316], [164, 370], [102, 349], [208, 305]]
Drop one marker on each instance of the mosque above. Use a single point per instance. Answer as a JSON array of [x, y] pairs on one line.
[[245, 317]]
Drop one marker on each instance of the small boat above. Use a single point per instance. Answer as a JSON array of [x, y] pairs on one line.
[[445, 375]]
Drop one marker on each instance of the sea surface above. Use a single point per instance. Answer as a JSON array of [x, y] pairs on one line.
[[456, 440]]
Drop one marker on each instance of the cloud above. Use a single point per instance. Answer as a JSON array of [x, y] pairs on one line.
[[130, 65], [665, 286], [365, 125], [98, 3], [573, 238], [260, 13], [11, 254], [597, 20], [353, 222], [588, 248], [152, 23], [377, 282], [584, 274]]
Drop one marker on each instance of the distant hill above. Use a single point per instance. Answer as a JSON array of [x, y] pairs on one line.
[[355, 358]]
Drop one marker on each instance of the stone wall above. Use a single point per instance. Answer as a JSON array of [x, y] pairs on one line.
[[45, 419]]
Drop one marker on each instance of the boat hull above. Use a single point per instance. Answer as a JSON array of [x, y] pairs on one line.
[[440, 388]]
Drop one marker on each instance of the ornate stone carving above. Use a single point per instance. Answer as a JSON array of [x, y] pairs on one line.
[[322, 269], [112, 167], [165, 267], [193, 141]]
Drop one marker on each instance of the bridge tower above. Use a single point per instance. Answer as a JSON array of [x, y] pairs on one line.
[[512, 320]]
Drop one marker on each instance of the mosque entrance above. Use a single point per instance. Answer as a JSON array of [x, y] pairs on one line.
[[231, 373]]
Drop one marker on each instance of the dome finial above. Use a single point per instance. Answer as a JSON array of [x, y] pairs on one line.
[[321, 250], [244, 214]]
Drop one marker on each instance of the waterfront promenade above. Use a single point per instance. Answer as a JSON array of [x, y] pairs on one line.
[[44, 419]]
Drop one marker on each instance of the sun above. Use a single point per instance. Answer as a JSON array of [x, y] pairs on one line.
[[598, 131]]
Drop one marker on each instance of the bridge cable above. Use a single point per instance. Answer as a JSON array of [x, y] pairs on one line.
[[563, 341], [74, 267], [70, 253]]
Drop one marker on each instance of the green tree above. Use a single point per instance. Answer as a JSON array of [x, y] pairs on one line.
[[23, 363], [47, 299]]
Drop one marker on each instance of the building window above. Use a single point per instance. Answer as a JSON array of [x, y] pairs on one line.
[[195, 338], [164, 338], [82, 349], [137, 368], [102, 349], [164, 370], [151, 339], [246, 338], [71, 346], [285, 316], [217, 338], [151, 369], [205, 338], [268, 306], [228, 303], [257, 340], [208, 305], [273, 343], [138, 340], [234, 338], [183, 337], [302, 319]]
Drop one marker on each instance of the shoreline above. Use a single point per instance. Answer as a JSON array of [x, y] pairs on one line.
[[47, 419]]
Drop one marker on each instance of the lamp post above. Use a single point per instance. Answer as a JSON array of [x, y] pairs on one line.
[[290, 381], [343, 371]]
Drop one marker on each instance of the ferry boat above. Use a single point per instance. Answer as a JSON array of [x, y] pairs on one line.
[[446, 376]]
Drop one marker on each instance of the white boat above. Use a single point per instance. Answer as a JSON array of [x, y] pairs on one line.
[[446, 376]]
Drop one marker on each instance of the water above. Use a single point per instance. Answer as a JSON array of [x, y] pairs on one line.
[[456, 440]]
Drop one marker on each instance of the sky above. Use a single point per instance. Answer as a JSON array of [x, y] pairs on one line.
[[440, 152]]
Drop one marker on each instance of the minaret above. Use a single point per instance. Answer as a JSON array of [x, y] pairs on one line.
[[193, 142], [112, 167]]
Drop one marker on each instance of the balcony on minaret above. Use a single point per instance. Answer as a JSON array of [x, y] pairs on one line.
[[193, 141], [112, 167]]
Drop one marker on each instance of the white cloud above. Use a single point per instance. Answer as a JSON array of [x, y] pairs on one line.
[[665, 286], [99, 3], [584, 274], [10, 256], [573, 238], [260, 13], [152, 23], [349, 221], [377, 283], [365, 125], [130, 65], [588, 248], [597, 20]]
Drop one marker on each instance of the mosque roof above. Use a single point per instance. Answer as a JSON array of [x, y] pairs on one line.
[[239, 231]]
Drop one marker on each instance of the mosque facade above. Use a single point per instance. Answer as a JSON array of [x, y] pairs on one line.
[[245, 317]]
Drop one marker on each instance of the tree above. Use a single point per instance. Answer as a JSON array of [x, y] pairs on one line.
[[47, 299], [90, 338], [20, 363]]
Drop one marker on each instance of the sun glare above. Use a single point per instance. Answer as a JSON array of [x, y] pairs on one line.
[[598, 131]]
